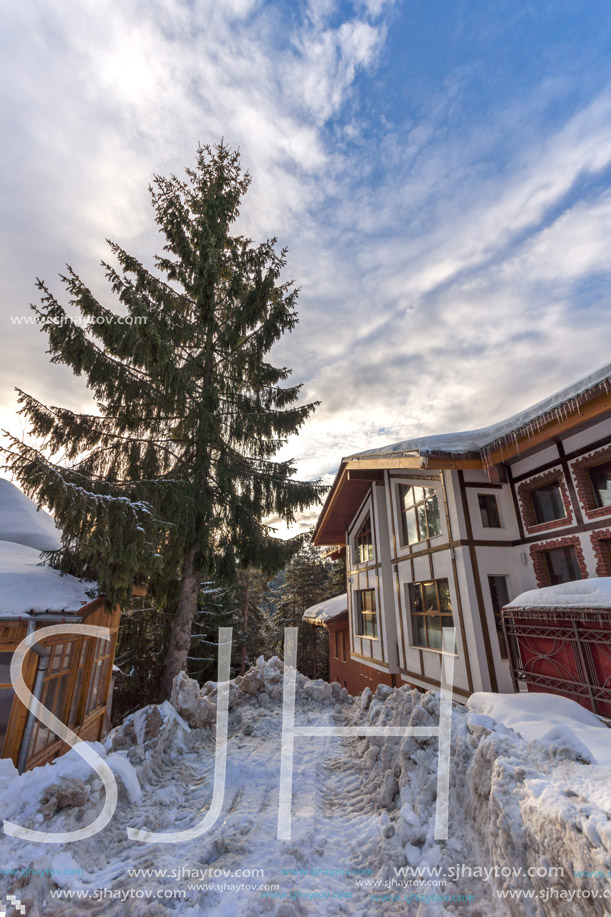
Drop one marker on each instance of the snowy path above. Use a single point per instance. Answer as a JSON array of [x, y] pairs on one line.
[[363, 810], [332, 823]]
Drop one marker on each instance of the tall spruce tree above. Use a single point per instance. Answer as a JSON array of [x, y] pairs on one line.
[[169, 480], [307, 579]]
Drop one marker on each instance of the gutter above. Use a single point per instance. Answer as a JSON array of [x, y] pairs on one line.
[[52, 618]]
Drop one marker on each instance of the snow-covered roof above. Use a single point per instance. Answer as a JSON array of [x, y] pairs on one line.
[[484, 439], [584, 593], [26, 586], [23, 523], [327, 610]]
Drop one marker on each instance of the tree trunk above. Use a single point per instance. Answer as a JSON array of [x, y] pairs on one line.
[[182, 624], [243, 663]]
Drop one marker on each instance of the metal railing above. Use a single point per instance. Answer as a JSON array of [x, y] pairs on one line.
[[563, 651]]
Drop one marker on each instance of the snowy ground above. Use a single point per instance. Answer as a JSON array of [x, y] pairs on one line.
[[363, 812]]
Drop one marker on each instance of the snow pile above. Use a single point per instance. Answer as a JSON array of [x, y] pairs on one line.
[[327, 610], [26, 586], [594, 592], [32, 798], [261, 686], [513, 803], [548, 718], [361, 807], [23, 523]]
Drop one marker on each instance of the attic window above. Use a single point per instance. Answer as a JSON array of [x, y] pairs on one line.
[[364, 542]]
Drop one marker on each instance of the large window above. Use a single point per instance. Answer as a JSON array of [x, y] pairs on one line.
[[547, 502], [600, 476], [562, 565], [431, 612], [419, 508], [364, 542], [489, 511], [366, 618], [54, 694], [499, 594]]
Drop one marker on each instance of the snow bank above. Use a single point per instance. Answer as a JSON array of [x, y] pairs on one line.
[[359, 804], [23, 523], [594, 592], [25, 797], [548, 718], [514, 805], [26, 586]]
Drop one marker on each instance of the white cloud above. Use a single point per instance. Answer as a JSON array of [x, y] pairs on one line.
[[438, 276], [98, 96]]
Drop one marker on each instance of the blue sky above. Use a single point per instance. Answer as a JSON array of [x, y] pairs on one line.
[[439, 171]]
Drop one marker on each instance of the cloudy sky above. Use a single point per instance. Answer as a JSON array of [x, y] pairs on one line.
[[439, 171]]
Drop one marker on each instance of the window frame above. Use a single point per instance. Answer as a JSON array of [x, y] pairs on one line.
[[43, 738], [5, 736], [486, 497], [100, 671], [596, 499], [428, 493], [362, 614], [562, 548], [424, 614], [534, 490], [364, 529]]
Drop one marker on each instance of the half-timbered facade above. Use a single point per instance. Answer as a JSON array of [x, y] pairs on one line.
[[441, 532]]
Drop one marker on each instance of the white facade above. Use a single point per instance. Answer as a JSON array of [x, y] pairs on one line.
[[466, 553]]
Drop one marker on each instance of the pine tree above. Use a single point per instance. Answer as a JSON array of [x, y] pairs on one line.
[[251, 623], [307, 579], [214, 610], [168, 481]]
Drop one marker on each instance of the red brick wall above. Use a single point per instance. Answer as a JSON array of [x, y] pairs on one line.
[[583, 485], [353, 675], [538, 560], [601, 542], [528, 513]]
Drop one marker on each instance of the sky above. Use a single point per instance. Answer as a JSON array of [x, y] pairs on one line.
[[439, 170]]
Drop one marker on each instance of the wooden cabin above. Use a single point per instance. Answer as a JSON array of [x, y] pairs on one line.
[[72, 675], [441, 532]]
